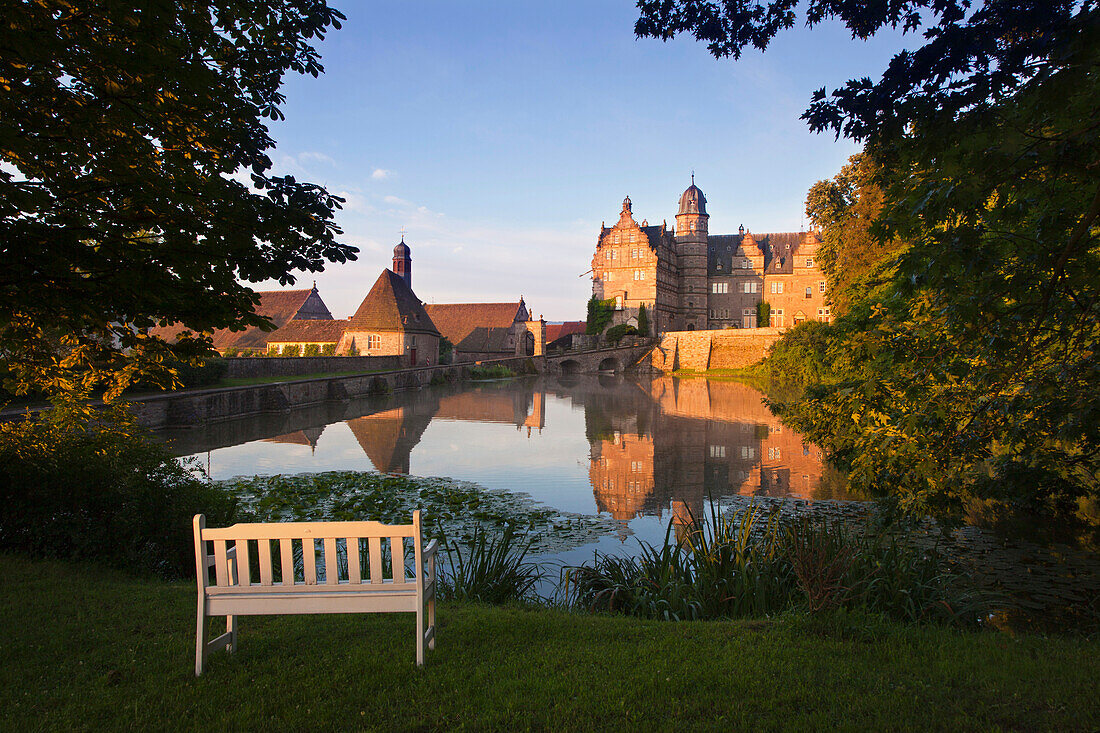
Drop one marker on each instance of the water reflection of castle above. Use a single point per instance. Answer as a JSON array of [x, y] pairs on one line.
[[700, 438], [655, 447]]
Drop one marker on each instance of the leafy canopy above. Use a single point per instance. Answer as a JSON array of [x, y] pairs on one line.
[[965, 246], [135, 182]]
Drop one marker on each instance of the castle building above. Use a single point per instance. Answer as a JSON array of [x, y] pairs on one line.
[[689, 279]]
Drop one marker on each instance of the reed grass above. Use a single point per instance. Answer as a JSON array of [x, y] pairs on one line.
[[492, 569], [755, 565]]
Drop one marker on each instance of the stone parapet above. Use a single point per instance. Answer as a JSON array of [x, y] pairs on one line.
[[296, 366]]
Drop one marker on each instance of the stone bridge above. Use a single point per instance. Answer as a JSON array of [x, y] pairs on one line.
[[612, 359]]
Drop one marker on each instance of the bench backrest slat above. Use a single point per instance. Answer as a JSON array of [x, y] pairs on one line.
[[355, 573], [286, 552], [309, 560], [397, 558], [221, 564], [244, 569], [374, 547], [332, 574], [264, 552]]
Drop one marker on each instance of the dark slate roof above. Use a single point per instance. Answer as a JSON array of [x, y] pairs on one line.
[[722, 248], [692, 201], [658, 236], [487, 340], [308, 331], [457, 321], [391, 305], [278, 305]]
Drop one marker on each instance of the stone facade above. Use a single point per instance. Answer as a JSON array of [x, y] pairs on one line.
[[690, 280], [718, 349]]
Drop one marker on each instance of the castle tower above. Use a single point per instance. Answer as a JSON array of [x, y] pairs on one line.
[[691, 250], [403, 262]]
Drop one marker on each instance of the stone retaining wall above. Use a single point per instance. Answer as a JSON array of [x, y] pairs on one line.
[[296, 366], [703, 350]]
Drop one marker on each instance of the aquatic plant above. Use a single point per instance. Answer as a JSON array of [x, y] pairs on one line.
[[491, 570]]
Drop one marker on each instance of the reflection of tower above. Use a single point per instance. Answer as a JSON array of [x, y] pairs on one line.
[[621, 473], [306, 436], [389, 437], [537, 416]]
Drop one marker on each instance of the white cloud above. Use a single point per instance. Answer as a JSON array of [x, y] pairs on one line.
[[380, 174], [395, 201]]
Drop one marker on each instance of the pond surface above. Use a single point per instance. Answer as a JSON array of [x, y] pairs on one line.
[[640, 452]]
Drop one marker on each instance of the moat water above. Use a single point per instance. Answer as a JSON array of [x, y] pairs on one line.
[[641, 452]]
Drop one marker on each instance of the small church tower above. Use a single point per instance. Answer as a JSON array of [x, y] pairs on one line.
[[691, 250], [402, 262]]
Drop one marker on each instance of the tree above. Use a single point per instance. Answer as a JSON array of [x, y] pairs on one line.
[[643, 320], [763, 314], [972, 371], [125, 134]]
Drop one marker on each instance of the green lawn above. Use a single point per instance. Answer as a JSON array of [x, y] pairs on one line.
[[86, 648]]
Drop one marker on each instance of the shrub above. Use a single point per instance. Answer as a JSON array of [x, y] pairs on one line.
[[615, 333], [643, 320], [446, 351], [291, 350], [78, 483], [495, 371], [328, 350], [272, 351], [231, 351], [312, 350], [211, 371], [353, 350]]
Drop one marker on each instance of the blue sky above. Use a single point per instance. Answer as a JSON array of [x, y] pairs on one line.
[[500, 135]]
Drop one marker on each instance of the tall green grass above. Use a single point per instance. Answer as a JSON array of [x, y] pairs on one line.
[[492, 569], [752, 565]]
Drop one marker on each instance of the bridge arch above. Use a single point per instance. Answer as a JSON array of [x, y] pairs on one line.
[[570, 366], [610, 364]]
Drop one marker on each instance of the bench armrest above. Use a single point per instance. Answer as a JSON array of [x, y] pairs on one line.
[[430, 549]]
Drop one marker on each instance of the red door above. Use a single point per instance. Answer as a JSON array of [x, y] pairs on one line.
[[412, 356]]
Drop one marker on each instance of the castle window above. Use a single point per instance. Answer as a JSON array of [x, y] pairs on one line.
[[809, 292], [777, 318], [777, 287], [821, 286], [809, 262], [746, 264], [720, 288], [374, 341], [718, 451], [748, 287]]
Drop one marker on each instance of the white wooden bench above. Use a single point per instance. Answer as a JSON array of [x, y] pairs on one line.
[[305, 567]]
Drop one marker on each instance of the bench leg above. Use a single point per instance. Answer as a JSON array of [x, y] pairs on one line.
[[231, 629], [420, 635], [200, 639], [431, 619]]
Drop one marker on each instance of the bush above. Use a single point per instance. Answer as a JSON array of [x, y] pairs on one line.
[[328, 350], [82, 484], [231, 351], [763, 314], [210, 372], [615, 333], [291, 350], [643, 320], [272, 351], [353, 350], [496, 371], [312, 350]]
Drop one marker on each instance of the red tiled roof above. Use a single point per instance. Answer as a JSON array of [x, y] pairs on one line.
[[308, 331], [391, 305], [277, 305], [555, 331], [457, 321]]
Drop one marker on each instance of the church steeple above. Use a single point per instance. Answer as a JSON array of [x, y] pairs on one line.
[[402, 261]]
